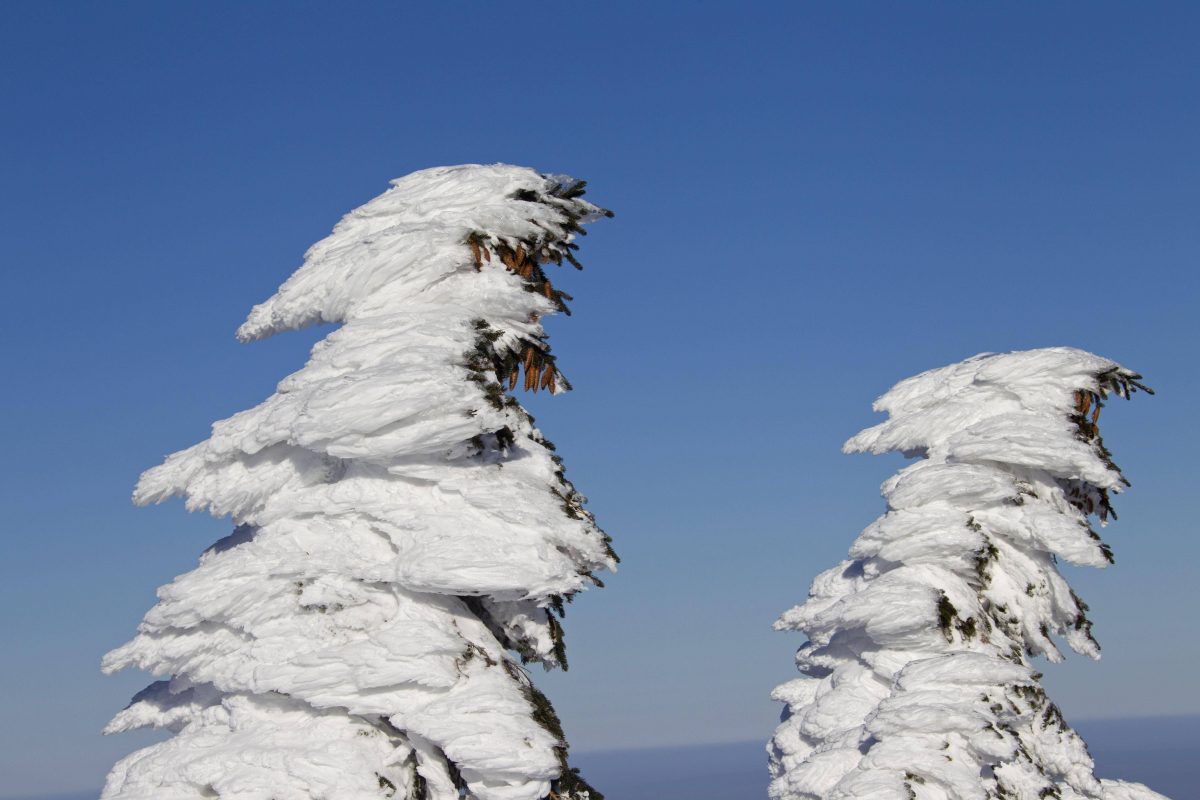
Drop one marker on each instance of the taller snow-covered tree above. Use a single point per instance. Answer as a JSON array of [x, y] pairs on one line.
[[920, 684], [405, 537]]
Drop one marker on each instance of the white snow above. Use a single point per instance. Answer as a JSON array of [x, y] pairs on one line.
[[920, 685], [401, 526]]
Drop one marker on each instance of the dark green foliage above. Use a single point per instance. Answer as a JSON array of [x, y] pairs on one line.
[[560, 645], [420, 789], [1122, 383], [1087, 499], [946, 615], [608, 548], [572, 783], [569, 781], [1081, 621], [983, 559], [570, 192], [496, 372], [543, 713], [1088, 402], [388, 787], [1051, 716]]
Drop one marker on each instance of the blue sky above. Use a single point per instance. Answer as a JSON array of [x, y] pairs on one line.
[[813, 201]]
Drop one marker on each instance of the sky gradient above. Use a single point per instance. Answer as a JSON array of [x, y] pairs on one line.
[[812, 202]]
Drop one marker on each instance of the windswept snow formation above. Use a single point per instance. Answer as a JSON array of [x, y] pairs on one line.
[[402, 526], [920, 685]]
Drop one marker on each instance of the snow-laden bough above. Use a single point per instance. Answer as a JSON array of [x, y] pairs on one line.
[[405, 537], [920, 685]]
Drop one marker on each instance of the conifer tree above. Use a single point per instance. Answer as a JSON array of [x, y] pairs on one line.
[[405, 537], [920, 684]]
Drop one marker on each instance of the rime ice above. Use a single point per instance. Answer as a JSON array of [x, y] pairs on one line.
[[919, 682], [401, 524]]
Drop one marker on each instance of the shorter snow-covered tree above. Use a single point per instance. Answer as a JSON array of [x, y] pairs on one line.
[[920, 684], [405, 537]]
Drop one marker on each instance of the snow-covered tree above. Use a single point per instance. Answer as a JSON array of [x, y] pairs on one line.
[[405, 537], [919, 645]]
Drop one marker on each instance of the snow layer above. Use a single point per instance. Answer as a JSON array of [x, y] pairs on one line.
[[919, 682], [402, 525]]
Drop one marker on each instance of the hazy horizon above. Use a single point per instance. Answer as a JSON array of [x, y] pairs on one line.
[[1156, 751]]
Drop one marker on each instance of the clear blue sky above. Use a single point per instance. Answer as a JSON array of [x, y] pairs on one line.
[[813, 201]]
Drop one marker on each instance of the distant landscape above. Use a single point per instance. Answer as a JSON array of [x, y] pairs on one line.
[[1160, 753]]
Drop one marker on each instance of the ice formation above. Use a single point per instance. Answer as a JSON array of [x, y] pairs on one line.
[[402, 528], [919, 645]]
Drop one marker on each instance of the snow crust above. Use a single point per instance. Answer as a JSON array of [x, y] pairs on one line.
[[919, 681], [402, 526]]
